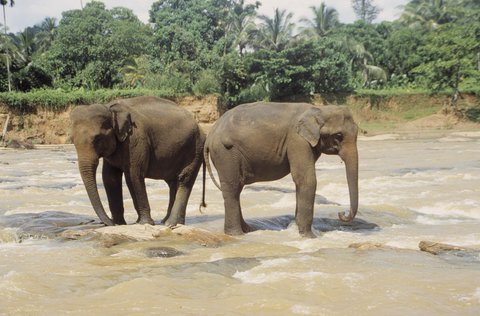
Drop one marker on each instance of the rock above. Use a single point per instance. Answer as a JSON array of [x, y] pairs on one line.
[[369, 246], [162, 252], [198, 235], [439, 248], [114, 235]]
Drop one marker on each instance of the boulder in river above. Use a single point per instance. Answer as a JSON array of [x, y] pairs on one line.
[[437, 248], [113, 235]]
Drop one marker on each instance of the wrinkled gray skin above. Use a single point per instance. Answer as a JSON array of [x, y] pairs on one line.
[[142, 137], [266, 141]]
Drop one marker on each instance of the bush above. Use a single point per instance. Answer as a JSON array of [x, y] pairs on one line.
[[473, 113], [61, 99], [32, 77], [207, 83]]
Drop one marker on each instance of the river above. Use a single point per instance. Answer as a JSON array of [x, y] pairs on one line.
[[412, 188]]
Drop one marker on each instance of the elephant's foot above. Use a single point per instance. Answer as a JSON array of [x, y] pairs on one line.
[[307, 233], [238, 229], [119, 221], [170, 222], [145, 220], [246, 228], [234, 231]]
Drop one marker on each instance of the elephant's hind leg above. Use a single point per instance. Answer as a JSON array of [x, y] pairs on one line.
[[138, 191], [234, 222], [185, 183], [173, 187]]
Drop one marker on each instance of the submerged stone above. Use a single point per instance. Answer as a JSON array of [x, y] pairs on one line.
[[369, 246], [162, 252]]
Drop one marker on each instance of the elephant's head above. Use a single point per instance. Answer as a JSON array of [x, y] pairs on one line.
[[97, 130], [332, 130]]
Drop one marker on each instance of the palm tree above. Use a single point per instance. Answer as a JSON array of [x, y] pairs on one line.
[[275, 33], [48, 32], [428, 13], [135, 71], [323, 21], [4, 3], [365, 10], [241, 23], [26, 45]]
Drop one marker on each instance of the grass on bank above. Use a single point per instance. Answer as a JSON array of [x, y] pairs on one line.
[[59, 99]]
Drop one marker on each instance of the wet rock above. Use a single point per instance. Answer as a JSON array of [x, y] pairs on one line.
[[162, 252], [439, 248], [319, 224], [114, 235], [369, 246], [104, 240], [328, 224], [45, 225], [198, 235]]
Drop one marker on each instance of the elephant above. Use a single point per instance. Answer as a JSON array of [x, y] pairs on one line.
[[141, 137], [266, 141]]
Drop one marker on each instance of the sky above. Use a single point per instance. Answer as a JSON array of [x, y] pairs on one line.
[[30, 12]]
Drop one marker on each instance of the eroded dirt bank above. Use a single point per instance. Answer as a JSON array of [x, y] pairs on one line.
[[53, 127]]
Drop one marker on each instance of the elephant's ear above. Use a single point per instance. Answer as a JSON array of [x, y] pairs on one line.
[[121, 121], [309, 124]]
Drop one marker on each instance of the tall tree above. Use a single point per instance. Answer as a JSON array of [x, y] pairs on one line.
[[241, 23], [48, 31], [323, 21], [7, 58], [428, 13], [93, 44], [275, 33], [188, 30], [365, 10]]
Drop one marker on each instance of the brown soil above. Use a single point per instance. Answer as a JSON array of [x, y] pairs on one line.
[[50, 127], [53, 127]]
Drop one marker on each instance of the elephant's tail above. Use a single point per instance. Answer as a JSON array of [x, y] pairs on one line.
[[206, 161], [203, 204]]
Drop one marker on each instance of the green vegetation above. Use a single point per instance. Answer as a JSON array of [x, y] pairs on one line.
[[60, 99], [200, 47]]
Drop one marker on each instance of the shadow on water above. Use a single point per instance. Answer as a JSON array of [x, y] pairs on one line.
[[319, 224]]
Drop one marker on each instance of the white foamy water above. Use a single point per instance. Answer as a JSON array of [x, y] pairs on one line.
[[410, 191]]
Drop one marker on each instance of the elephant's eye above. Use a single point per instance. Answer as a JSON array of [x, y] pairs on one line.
[[338, 137]]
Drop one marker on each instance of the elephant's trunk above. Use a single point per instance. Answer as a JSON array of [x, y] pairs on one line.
[[88, 169], [350, 157]]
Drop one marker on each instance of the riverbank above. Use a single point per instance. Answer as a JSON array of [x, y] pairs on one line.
[[406, 114]]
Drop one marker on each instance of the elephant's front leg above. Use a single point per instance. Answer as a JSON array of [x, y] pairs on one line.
[[306, 184], [112, 180], [138, 191]]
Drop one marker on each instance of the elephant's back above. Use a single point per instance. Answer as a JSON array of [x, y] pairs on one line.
[[262, 116]]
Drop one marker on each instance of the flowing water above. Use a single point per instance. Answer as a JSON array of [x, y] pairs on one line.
[[410, 190]]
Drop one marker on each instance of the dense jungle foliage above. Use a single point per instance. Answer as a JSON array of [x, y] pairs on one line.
[[223, 47]]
